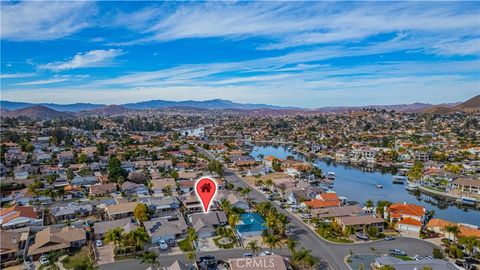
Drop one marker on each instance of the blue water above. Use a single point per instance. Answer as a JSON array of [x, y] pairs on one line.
[[358, 185]]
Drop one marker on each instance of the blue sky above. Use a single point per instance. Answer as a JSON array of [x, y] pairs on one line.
[[306, 54]]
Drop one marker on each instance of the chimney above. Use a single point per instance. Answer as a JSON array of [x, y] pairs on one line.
[[14, 240]]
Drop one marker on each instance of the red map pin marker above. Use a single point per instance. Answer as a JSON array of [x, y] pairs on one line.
[[206, 189]]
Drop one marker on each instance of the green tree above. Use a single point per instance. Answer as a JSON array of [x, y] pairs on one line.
[[141, 212], [138, 237], [416, 172], [253, 246], [115, 170], [149, 257], [191, 256], [114, 236]]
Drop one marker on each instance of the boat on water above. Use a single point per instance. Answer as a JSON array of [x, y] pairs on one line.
[[399, 179], [467, 201], [379, 186], [331, 175], [411, 187]]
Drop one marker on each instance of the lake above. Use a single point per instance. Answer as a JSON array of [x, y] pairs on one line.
[[358, 185]]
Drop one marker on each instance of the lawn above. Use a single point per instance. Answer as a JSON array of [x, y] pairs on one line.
[[185, 245], [403, 257], [226, 246], [76, 261]]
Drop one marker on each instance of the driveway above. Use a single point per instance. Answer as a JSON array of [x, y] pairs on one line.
[[105, 254]]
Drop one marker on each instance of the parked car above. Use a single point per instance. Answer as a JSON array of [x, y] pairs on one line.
[[206, 259], [163, 245], [172, 243], [397, 252], [417, 257], [98, 243], [44, 260], [247, 255], [266, 253], [362, 236], [389, 238]]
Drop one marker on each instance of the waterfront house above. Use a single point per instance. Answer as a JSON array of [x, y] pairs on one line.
[[339, 211], [56, 239], [323, 200], [360, 222], [438, 226], [470, 186], [408, 218]]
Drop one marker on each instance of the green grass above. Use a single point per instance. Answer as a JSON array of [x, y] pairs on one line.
[[227, 246], [403, 257], [185, 245], [77, 260]]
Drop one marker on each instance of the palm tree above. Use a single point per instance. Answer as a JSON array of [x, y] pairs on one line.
[[269, 183], [310, 261], [114, 235], [271, 241], [138, 237], [305, 257], [53, 260], [245, 192], [253, 246], [226, 206], [291, 244], [149, 257], [233, 219], [452, 230], [282, 188], [369, 205], [470, 242], [192, 234], [191, 256]]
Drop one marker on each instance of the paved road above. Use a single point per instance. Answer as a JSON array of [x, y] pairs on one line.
[[331, 255]]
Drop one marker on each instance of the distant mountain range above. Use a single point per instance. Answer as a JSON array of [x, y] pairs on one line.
[[144, 105], [51, 110]]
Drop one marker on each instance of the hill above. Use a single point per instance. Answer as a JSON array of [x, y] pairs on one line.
[[37, 112], [105, 111], [470, 105]]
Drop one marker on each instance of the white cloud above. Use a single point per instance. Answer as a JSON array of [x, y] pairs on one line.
[[287, 25], [15, 75], [37, 20], [95, 58], [41, 82]]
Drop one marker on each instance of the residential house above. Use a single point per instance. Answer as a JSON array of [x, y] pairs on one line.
[[83, 180], [323, 200], [131, 188], [19, 216], [100, 228], [161, 205], [241, 161], [163, 187], [206, 224], [120, 210], [166, 228], [56, 239], [409, 218], [438, 226], [234, 199], [360, 222], [102, 189], [71, 211], [338, 211], [467, 185], [65, 157], [399, 264], [13, 243], [22, 171]]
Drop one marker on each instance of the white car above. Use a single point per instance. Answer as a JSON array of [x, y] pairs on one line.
[[163, 245], [44, 260], [98, 243]]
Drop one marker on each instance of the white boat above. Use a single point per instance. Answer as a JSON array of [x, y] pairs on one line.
[[331, 175], [399, 179], [411, 187], [467, 200], [379, 186]]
